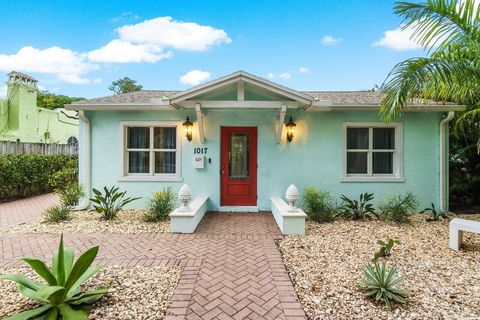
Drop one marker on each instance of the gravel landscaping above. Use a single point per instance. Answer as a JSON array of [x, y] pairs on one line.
[[326, 265], [137, 293], [128, 221]]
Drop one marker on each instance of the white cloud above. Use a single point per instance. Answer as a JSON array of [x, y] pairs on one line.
[[194, 77], [125, 16], [120, 51], [3, 91], [285, 75], [65, 64], [303, 70], [149, 41], [329, 40], [270, 75], [166, 32], [398, 40]]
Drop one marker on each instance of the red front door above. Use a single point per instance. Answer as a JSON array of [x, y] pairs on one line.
[[239, 166]]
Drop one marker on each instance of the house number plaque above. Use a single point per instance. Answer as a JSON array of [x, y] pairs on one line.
[[200, 150]]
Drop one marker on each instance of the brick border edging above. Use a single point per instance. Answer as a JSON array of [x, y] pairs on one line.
[[182, 295], [288, 297]]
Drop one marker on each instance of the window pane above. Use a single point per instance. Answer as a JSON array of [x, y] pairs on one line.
[[238, 156], [165, 138], [357, 162], [138, 161], [383, 138], [165, 162], [138, 137], [357, 138], [383, 162]]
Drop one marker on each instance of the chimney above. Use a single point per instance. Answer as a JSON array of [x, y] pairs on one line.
[[21, 98]]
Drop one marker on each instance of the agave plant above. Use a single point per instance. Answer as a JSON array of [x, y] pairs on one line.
[[60, 297], [110, 203], [382, 285]]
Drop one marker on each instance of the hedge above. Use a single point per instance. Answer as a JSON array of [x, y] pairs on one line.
[[24, 175]]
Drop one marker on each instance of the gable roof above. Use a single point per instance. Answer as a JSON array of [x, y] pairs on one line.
[[245, 77], [312, 100]]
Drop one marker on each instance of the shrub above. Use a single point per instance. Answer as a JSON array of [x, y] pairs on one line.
[[160, 205], [57, 214], [382, 285], [435, 215], [385, 248], [399, 208], [65, 177], [60, 296], [111, 203], [318, 205], [355, 210], [71, 194], [24, 175]]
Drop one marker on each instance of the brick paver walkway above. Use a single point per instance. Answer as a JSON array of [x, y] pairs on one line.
[[232, 267], [20, 211]]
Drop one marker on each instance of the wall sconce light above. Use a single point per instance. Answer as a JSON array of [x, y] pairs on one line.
[[290, 129], [187, 126]]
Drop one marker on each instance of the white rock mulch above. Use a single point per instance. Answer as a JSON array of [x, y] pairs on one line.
[[326, 265], [137, 293], [128, 221]]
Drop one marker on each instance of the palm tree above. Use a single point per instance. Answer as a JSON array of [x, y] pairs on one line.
[[449, 30]]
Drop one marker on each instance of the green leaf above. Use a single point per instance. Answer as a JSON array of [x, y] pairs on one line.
[[26, 315], [68, 313], [75, 289], [23, 281], [80, 266], [41, 269], [88, 297], [53, 314], [54, 294], [59, 263], [29, 293]]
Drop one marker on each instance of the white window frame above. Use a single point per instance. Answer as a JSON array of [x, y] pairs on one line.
[[397, 175], [151, 176]]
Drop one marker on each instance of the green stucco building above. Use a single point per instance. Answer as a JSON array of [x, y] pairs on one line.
[[21, 119]]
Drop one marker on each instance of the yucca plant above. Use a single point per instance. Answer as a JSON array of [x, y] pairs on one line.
[[382, 284], [385, 248], [60, 297], [110, 203], [355, 210]]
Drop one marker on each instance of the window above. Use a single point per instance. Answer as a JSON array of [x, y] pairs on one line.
[[373, 152], [151, 151]]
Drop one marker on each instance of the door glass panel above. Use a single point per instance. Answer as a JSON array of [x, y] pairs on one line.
[[238, 156]]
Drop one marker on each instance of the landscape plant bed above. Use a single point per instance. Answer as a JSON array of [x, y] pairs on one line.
[[327, 264], [128, 221], [136, 293]]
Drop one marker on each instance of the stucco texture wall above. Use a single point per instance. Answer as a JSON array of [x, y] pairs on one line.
[[314, 158]]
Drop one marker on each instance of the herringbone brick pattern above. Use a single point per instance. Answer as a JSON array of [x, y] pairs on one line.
[[232, 267], [19, 211]]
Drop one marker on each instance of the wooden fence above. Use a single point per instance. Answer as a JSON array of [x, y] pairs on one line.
[[8, 147]]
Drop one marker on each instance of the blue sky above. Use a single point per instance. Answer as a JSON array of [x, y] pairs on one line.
[[79, 47]]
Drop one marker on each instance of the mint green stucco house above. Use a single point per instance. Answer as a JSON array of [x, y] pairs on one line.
[[21, 119], [240, 154]]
